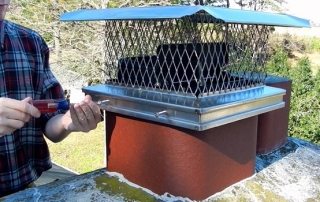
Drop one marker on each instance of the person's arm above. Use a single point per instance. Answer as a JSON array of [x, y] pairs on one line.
[[82, 117], [15, 113]]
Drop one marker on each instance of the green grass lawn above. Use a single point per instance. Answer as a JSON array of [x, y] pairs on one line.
[[80, 152]]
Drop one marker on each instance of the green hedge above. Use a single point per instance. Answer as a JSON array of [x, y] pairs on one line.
[[304, 120]]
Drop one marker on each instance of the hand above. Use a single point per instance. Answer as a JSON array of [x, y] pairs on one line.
[[83, 116], [15, 113]]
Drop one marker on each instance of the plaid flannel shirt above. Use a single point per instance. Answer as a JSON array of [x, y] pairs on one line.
[[24, 72]]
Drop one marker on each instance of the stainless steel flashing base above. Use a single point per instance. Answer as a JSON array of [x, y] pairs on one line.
[[187, 111]]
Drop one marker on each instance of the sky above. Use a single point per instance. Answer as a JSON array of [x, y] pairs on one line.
[[309, 9]]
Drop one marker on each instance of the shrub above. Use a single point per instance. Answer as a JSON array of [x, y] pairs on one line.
[[313, 44], [302, 77], [317, 83], [278, 63], [287, 43], [304, 115], [305, 101]]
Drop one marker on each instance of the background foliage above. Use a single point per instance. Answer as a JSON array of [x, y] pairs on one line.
[[305, 97]]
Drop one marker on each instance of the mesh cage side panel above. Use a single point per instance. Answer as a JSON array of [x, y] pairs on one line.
[[194, 56]]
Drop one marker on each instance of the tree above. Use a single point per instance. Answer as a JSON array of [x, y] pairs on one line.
[[275, 5], [218, 3]]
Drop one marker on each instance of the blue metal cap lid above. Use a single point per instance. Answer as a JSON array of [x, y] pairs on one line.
[[226, 15]]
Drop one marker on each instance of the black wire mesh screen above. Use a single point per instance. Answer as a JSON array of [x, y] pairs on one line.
[[195, 56]]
